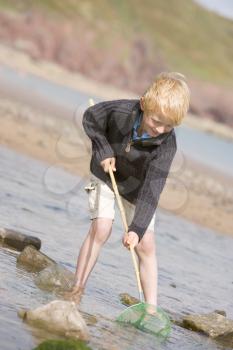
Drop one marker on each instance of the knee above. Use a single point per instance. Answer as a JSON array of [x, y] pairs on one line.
[[101, 229], [147, 245]]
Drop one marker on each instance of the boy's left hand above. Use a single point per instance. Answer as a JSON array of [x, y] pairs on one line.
[[130, 239]]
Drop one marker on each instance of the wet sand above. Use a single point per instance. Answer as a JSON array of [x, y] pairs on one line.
[[192, 191]]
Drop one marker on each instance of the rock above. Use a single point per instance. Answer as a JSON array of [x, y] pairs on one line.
[[58, 316], [173, 285], [213, 324], [55, 277], [89, 319], [18, 240], [62, 345], [128, 300], [33, 259]]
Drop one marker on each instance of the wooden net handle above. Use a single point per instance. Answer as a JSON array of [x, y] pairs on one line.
[[123, 216]]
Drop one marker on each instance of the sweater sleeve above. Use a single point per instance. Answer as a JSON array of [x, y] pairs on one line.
[[95, 123], [152, 186]]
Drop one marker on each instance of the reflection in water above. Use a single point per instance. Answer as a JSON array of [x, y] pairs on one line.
[[195, 264]]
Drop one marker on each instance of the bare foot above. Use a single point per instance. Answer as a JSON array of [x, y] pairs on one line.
[[149, 315], [75, 294], [151, 309]]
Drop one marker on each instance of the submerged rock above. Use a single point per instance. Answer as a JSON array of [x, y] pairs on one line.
[[18, 240], [62, 345], [33, 259], [89, 319], [221, 312], [128, 300], [55, 277], [213, 324], [58, 316]]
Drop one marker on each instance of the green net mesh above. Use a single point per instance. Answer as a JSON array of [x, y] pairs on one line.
[[147, 318]]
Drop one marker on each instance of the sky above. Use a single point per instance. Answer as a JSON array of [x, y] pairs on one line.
[[222, 7]]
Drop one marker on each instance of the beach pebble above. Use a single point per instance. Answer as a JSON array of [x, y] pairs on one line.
[[213, 324], [34, 260], [18, 240], [58, 316], [55, 278]]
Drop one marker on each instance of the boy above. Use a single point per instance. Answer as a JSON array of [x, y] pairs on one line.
[[137, 139]]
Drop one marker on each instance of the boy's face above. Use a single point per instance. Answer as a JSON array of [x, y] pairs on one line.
[[153, 123]]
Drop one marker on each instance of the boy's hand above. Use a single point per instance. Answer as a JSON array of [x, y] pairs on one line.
[[130, 239], [107, 162]]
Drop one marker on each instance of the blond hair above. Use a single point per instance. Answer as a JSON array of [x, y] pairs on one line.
[[168, 97]]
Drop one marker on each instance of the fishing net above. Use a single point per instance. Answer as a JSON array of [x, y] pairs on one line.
[[147, 318]]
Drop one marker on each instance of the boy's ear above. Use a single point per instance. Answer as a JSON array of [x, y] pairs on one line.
[[142, 103]]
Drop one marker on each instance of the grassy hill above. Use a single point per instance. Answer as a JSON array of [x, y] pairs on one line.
[[186, 36]]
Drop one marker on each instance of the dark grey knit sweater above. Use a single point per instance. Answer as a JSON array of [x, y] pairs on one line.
[[142, 171]]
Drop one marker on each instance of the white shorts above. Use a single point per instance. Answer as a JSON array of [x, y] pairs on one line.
[[101, 200]]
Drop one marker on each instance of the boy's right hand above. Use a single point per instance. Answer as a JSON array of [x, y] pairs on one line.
[[107, 162]]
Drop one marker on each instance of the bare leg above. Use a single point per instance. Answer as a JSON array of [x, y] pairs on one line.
[[146, 252], [98, 234]]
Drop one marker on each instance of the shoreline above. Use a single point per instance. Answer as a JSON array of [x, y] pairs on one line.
[[18, 60], [194, 192]]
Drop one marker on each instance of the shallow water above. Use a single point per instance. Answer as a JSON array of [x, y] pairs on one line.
[[51, 204], [206, 148]]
